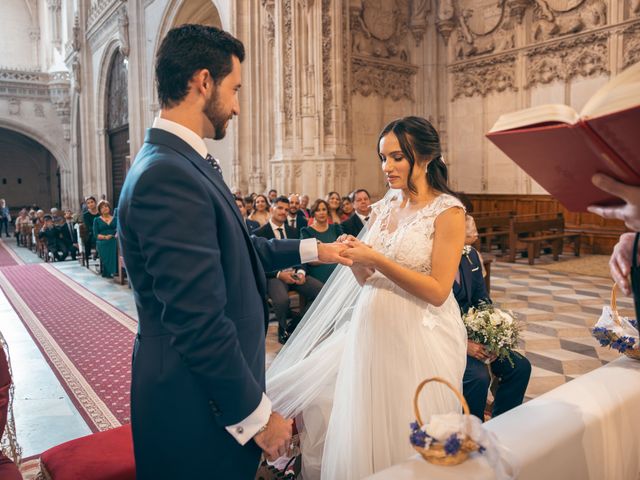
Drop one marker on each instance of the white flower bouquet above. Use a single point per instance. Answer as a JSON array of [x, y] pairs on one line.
[[496, 329]]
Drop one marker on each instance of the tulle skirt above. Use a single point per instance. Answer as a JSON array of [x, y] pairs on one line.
[[367, 373]]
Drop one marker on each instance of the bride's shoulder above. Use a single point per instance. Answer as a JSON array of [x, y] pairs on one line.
[[446, 201]]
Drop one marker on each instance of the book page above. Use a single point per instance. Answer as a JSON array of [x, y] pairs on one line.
[[535, 116], [621, 93]]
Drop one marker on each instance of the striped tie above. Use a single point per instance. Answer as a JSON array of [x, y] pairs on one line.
[[214, 164]]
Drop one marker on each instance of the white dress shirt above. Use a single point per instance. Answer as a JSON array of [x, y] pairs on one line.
[[247, 428]]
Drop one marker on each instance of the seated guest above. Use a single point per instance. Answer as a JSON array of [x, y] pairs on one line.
[[346, 208], [88, 218], [362, 203], [280, 283], [260, 210], [236, 192], [334, 201], [104, 229], [272, 195], [251, 225], [58, 219], [321, 230], [304, 206], [295, 217], [23, 224], [69, 234], [469, 289], [51, 235], [248, 204]]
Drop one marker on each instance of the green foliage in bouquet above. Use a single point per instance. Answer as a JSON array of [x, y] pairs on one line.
[[496, 329]]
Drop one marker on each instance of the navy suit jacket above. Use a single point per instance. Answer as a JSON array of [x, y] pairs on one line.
[[471, 289], [353, 225], [199, 285], [266, 231]]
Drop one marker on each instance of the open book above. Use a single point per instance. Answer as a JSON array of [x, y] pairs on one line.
[[561, 149]]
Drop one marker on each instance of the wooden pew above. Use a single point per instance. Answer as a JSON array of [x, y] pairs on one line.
[[493, 228], [536, 232]]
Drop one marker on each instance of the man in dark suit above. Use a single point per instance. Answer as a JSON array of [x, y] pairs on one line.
[[295, 216], [362, 202], [69, 234], [280, 282], [198, 278], [470, 290], [51, 234], [252, 226]]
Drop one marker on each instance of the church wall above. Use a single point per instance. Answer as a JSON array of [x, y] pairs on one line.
[[554, 51], [15, 42]]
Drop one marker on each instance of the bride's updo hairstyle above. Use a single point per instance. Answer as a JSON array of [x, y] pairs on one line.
[[420, 142]]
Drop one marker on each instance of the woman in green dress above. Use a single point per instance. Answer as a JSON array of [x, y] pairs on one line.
[[104, 229], [323, 231]]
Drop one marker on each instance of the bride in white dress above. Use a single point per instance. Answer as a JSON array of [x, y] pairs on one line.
[[349, 372]]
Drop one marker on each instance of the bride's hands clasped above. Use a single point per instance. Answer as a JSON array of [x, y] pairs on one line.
[[359, 252]]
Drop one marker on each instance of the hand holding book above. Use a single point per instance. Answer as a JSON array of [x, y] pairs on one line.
[[629, 212]]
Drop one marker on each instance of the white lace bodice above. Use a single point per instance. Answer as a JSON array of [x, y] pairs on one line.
[[408, 241]]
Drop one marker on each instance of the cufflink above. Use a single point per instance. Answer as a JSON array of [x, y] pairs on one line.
[[239, 430]]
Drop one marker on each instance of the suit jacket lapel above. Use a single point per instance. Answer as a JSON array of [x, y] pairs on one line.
[[158, 136], [467, 277]]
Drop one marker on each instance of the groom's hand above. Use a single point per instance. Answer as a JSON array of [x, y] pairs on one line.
[[275, 439], [330, 253]]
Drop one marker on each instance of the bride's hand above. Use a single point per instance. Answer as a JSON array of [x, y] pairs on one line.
[[345, 237], [360, 253]]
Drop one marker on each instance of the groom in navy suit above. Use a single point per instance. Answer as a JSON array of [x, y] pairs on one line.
[[198, 407]]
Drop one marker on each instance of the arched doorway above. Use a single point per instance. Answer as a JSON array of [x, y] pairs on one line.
[[29, 173], [117, 123]]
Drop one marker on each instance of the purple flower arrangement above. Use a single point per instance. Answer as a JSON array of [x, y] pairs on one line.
[[609, 339]]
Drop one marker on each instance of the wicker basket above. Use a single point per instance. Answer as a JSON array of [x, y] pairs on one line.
[[631, 353], [436, 453]]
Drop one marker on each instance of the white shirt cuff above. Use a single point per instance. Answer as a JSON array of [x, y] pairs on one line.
[[301, 272], [247, 428], [308, 250]]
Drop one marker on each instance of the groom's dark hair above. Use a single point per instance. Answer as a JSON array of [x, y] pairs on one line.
[[188, 49]]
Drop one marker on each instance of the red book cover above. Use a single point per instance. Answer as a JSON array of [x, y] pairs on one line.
[[562, 157]]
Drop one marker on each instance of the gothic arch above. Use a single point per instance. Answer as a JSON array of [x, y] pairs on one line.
[[60, 154]]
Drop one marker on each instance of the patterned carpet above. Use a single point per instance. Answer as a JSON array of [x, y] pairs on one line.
[[7, 256], [86, 341]]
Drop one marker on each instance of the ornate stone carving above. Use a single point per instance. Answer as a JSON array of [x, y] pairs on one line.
[[445, 22], [484, 77], [14, 106], [418, 19], [634, 8], [380, 54], [564, 60], [469, 45], [297, 171], [631, 45], [517, 9], [123, 32], [269, 27], [379, 30], [29, 84], [382, 78], [61, 99], [327, 83], [288, 66], [76, 39], [579, 15], [97, 8], [76, 74], [38, 110]]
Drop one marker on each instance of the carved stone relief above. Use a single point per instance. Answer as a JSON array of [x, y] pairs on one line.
[[558, 18], [382, 79], [38, 110], [269, 27], [484, 77], [583, 56], [14, 106], [634, 8], [288, 66], [327, 90], [631, 45], [380, 62], [123, 32]]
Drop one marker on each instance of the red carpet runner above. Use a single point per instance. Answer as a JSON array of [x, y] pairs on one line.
[[7, 257], [86, 341]]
